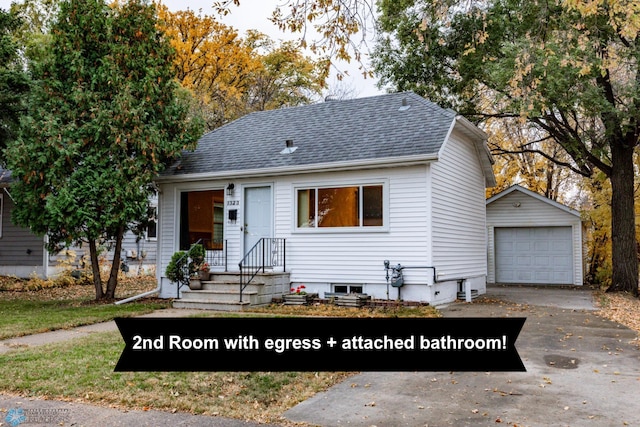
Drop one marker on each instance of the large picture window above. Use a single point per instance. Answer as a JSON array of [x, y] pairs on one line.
[[335, 207], [202, 218]]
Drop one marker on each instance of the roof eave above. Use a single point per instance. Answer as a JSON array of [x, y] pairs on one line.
[[386, 162], [480, 141]]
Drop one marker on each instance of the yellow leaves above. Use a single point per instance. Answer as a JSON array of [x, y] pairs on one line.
[[585, 70], [423, 24], [622, 15], [482, 36]]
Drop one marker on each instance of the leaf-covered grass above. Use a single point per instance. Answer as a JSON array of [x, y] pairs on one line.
[[83, 369], [330, 310], [620, 307], [25, 311], [18, 318]]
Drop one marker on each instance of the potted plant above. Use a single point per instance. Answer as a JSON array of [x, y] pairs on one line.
[[196, 254], [196, 263], [299, 296], [203, 271]]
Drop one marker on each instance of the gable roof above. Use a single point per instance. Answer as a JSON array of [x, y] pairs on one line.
[[352, 133], [535, 195]]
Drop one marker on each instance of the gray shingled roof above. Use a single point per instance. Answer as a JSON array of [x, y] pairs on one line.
[[334, 131]]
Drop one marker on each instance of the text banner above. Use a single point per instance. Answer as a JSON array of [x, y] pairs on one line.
[[320, 344]]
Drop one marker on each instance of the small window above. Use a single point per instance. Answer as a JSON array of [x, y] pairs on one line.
[[152, 225], [339, 207], [347, 289]]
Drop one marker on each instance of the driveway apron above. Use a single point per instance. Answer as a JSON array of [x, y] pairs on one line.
[[582, 370]]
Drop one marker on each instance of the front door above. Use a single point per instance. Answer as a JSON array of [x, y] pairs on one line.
[[258, 221]]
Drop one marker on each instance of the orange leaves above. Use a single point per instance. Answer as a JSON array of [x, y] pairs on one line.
[[207, 52], [230, 75]]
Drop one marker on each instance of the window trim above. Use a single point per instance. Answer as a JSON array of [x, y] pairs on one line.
[[315, 185], [154, 218]]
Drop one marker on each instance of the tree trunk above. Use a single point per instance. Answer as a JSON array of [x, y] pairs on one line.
[[115, 266], [95, 269], [623, 228]]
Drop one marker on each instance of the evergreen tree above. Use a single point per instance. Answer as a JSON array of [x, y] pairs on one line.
[[106, 116]]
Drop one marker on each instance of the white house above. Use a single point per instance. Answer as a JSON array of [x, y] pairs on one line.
[[346, 185], [533, 240]]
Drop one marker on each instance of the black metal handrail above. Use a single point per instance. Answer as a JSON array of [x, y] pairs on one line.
[[218, 255], [267, 252]]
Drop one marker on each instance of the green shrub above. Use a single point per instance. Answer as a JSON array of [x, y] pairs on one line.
[[174, 271]]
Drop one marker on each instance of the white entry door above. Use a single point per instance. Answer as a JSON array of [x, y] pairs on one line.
[[258, 211]]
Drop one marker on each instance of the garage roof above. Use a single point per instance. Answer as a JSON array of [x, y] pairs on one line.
[[535, 195]]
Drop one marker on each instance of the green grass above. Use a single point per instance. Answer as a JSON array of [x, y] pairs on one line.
[[23, 317], [83, 369]]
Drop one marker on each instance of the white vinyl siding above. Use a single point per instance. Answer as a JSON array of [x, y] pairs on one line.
[[458, 211], [440, 203], [518, 209], [357, 256], [325, 258]]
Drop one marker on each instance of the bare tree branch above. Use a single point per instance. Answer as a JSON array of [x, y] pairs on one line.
[[584, 171]]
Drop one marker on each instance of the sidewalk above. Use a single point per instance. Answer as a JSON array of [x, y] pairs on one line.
[[84, 415], [81, 331]]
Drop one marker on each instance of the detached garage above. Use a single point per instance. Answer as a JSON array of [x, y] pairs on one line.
[[532, 239]]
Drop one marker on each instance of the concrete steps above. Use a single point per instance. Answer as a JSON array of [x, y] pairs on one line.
[[222, 292]]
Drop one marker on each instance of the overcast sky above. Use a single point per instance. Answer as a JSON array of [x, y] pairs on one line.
[[254, 14]]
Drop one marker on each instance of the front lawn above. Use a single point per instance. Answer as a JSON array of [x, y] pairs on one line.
[[25, 310], [82, 369]]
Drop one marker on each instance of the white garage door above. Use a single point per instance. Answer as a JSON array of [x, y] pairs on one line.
[[541, 255]]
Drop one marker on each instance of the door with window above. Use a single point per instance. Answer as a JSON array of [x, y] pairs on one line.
[[258, 215]]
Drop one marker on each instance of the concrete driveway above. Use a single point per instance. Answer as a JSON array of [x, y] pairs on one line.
[[582, 370]]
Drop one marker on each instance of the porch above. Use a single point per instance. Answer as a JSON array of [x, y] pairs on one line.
[[260, 278], [221, 291]]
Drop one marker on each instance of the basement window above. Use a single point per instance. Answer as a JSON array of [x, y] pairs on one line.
[[347, 289]]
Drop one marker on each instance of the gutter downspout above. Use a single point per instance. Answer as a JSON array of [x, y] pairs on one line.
[[135, 297]]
